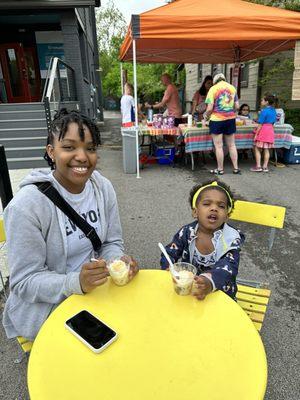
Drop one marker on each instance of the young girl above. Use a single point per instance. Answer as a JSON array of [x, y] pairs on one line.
[[244, 111], [127, 106], [280, 114], [49, 257], [209, 243], [264, 134]]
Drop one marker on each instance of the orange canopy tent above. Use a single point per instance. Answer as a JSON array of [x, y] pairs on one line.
[[207, 31], [210, 31]]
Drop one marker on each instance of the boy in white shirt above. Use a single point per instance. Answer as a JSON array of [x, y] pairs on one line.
[[127, 106]]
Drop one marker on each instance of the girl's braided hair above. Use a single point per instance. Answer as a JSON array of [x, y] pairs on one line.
[[60, 124]]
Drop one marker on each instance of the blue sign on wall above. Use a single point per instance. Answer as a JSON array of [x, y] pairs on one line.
[[48, 50]]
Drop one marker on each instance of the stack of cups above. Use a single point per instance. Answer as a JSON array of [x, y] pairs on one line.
[[183, 277]]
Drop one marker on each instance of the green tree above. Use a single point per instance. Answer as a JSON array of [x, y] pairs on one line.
[[148, 76], [282, 68], [111, 27], [293, 5], [111, 31]]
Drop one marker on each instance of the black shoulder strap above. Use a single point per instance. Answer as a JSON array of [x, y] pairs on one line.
[[48, 190]]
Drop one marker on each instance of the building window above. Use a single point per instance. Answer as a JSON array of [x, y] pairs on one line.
[[214, 69], [199, 72], [82, 41], [244, 75]]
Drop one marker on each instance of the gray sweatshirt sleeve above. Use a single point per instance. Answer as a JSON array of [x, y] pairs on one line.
[[30, 277], [113, 245]]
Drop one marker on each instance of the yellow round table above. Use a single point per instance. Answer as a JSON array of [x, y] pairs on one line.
[[169, 347]]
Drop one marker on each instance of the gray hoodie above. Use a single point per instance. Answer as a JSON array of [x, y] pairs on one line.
[[37, 252]]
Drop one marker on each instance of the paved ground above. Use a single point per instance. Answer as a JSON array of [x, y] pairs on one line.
[[153, 207]]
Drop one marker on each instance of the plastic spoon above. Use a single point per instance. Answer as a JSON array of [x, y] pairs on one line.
[[164, 251]]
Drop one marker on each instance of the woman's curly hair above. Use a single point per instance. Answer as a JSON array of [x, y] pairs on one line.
[[60, 124]]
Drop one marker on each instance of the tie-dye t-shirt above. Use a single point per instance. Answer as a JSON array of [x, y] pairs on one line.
[[222, 96]]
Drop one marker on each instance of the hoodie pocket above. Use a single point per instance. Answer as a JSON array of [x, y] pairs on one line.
[[27, 318]]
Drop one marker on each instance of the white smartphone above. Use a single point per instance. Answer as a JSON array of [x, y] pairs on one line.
[[95, 334]]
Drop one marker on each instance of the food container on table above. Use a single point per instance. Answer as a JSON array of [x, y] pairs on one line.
[[157, 120], [239, 122], [168, 122]]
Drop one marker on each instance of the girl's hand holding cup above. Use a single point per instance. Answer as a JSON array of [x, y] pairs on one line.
[[201, 287]]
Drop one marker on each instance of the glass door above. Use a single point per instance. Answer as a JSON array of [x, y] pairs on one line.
[[3, 95], [15, 73], [33, 73]]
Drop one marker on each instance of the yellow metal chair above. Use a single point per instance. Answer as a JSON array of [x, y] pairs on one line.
[[2, 242], [24, 343], [253, 296]]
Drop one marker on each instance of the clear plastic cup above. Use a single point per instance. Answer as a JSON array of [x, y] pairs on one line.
[[119, 270], [183, 277]]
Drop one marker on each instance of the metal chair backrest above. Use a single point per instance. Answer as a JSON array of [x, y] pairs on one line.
[[260, 214], [254, 296], [257, 213]]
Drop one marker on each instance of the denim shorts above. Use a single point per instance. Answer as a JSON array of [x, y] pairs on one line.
[[226, 127]]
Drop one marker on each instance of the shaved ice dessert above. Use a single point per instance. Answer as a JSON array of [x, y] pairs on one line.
[[119, 270]]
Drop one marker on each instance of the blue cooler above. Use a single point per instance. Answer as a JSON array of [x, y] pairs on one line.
[[164, 154], [292, 155]]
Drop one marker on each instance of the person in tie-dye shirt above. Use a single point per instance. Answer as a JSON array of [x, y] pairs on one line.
[[222, 101]]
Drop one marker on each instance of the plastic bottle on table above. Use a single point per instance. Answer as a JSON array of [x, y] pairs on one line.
[[150, 114], [203, 121], [196, 118]]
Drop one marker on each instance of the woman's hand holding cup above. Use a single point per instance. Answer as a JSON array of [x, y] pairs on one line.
[[133, 269]]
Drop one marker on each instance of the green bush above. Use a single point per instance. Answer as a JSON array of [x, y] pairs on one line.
[[292, 117]]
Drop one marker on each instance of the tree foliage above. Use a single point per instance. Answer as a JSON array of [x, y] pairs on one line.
[[280, 69], [111, 30], [293, 5], [111, 27], [277, 74]]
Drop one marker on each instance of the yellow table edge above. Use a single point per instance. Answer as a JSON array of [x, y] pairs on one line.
[[263, 371]]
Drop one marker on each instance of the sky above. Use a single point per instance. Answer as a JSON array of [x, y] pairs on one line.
[[129, 7]]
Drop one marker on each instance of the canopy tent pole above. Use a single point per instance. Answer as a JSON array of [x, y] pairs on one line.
[[136, 110], [237, 54], [236, 69], [121, 73]]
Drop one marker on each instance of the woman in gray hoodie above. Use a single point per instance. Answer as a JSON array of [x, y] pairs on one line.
[[48, 255]]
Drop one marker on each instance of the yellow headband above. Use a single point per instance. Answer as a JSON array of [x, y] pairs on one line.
[[215, 183]]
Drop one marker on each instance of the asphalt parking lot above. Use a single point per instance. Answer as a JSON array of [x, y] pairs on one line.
[[154, 207]]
